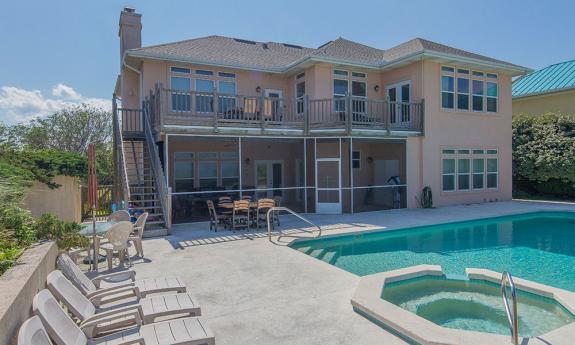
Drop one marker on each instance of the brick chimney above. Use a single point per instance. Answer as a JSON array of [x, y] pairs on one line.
[[130, 30]]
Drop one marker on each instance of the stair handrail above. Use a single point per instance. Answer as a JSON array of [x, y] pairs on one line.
[[274, 209], [119, 148], [162, 187], [511, 317]]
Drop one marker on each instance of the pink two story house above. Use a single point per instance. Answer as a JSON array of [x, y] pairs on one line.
[[340, 128]]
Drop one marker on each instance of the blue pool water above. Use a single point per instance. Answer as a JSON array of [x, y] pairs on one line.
[[536, 246], [475, 305]]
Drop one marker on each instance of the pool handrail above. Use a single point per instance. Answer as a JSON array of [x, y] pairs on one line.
[[511, 317], [281, 208]]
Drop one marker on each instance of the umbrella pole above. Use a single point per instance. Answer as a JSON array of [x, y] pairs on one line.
[[94, 254]]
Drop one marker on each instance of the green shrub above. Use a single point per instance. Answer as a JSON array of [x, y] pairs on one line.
[[66, 234], [544, 154]]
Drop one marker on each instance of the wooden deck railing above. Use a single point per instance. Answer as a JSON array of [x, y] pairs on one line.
[[169, 107]]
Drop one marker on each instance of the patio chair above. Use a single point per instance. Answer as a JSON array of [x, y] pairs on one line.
[[215, 219], [138, 232], [64, 331], [224, 200], [247, 197], [148, 309], [119, 216], [32, 332], [104, 288], [278, 203], [261, 213], [117, 237], [241, 214]]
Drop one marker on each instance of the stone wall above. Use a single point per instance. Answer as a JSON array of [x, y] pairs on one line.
[[18, 286]]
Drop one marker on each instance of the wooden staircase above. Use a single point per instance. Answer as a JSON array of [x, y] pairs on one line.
[[144, 195]]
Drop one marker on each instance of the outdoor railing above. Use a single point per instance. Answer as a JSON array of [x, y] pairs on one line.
[[170, 107], [161, 184], [121, 186]]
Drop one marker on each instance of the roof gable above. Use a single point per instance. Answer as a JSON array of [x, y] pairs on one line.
[[557, 77]]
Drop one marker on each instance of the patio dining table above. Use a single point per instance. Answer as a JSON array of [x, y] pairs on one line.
[[101, 227]]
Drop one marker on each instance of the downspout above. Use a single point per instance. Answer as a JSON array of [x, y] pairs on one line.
[[139, 78]]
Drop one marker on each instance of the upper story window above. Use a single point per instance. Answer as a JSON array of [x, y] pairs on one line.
[[358, 75], [468, 90], [300, 93], [226, 75], [204, 72], [340, 73], [180, 70], [181, 96]]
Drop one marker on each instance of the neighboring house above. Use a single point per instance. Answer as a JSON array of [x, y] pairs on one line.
[[336, 129], [551, 89]]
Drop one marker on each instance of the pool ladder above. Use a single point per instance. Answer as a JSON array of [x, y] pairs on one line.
[[511, 316], [273, 210]]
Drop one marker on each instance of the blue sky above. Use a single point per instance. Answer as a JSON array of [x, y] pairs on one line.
[[55, 53]]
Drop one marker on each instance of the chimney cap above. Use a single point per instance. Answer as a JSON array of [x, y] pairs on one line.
[[129, 9]]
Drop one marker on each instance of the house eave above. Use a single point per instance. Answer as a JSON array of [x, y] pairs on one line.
[[545, 93]]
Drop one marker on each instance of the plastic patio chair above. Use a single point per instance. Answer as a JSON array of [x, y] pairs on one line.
[[64, 331], [117, 236], [148, 309], [103, 288], [119, 216], [138, 232], [32, 332]]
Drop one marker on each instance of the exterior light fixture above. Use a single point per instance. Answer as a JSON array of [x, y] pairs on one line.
[[258, 89], [376, 88]]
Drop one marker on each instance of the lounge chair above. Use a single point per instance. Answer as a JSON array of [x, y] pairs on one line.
[[138, 232], [32, 332], [148, 309], [64, 331], [107, 286]]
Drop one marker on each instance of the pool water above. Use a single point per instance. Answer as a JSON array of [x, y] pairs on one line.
[[475, 305], [536, 246]]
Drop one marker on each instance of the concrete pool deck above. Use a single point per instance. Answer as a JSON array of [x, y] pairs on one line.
[[255, 292]]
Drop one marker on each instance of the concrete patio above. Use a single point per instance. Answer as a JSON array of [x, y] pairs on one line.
[[255, 292]]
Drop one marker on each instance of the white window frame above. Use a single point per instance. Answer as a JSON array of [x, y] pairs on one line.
[[470, 156], [175, 91], [298, 100], [484, 77]]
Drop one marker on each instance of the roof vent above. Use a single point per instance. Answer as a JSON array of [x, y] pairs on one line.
[[244, 41], [129, 9], [292, 46]]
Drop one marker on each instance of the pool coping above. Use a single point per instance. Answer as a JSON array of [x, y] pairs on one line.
[[368, 302]]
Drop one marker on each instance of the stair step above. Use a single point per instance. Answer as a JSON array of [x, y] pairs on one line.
[[146, 207]]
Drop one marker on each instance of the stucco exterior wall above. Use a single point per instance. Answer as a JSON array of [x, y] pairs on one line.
[[463, 129], [64, 202], [558, 102]]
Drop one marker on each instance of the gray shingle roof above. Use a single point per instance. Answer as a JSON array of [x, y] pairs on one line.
[[275, 56]]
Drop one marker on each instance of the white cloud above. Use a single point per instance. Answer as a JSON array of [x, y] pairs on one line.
[[19, 105]]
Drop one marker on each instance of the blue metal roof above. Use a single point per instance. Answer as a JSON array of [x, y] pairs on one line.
[[560, 76]]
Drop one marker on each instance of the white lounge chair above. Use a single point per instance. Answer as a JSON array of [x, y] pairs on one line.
[[63, 331], [32, 332], [149, 308], [105, 288]]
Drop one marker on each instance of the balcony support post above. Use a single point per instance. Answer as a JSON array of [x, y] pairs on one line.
[[387, 114], [262, 109], [348, 114], [305, 114], [215, 107]]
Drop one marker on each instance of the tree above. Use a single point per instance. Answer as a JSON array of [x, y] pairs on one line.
[[70, 129]]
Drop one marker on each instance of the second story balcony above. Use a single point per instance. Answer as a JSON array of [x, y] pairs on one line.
[[177, 111]]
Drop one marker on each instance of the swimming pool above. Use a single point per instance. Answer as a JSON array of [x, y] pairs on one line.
[[536, 246]]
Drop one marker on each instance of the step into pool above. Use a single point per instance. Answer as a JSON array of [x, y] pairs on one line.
[[474, 305], [538, 246]]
